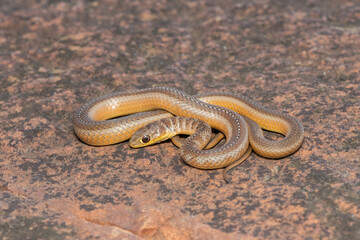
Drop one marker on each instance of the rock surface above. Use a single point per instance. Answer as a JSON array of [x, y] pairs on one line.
[[301, 57]]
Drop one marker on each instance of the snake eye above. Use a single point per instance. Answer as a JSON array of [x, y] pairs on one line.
[[145, 139]]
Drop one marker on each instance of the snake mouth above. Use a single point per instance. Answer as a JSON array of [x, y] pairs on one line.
[[137, 141], [139, 144]]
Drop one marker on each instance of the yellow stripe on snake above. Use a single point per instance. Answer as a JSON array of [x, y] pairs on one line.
[[96, 124]]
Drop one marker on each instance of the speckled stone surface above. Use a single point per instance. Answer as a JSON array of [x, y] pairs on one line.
[[301, 57]]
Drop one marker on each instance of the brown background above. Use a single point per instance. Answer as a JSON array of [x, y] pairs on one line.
[[301, 57]]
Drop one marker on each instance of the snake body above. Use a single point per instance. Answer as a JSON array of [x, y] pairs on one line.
[[94, 125]]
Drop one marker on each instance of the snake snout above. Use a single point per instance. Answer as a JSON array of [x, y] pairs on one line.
[[144, 136], [136, 141]]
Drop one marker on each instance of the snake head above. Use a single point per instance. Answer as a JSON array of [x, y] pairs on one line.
[[149, 135]]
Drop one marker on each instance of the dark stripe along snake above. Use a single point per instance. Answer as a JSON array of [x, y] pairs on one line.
[[95, 123]]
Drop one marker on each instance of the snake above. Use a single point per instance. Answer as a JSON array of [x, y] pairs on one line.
[[240, 119]]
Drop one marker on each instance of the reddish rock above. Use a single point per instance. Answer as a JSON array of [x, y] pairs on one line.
[[301, 57]]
